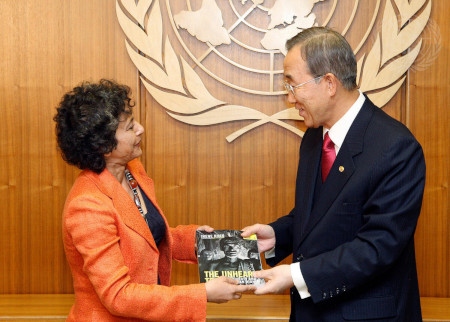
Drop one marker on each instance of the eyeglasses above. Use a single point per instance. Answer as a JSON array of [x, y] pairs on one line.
[[291, 88]]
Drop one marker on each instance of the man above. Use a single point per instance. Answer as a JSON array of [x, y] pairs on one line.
[[351, 232], [232, 248]]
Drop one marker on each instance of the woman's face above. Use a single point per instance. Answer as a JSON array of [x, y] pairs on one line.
[[128, 136]]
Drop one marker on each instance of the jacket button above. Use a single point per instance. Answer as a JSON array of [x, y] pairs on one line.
[[324, 295], [300, 258]]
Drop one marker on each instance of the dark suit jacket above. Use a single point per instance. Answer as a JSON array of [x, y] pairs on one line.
[[355, 236]]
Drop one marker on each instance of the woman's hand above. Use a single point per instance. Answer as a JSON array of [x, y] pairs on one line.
[[206, 228], [223, 289]]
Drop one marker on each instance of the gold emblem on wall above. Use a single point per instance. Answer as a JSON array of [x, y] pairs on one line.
[[206, 28]]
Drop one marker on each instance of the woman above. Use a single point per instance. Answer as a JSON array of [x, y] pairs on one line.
[[116, 238]]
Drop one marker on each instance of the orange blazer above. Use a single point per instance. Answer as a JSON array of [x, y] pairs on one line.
[[114, 260]]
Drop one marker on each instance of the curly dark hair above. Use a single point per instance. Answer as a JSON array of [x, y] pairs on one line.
[[86, 122]]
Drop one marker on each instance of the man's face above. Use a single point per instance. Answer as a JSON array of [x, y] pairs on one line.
[[310, 99], [231, 248]]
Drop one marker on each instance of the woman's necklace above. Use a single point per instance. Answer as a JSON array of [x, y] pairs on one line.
[[132, 183]]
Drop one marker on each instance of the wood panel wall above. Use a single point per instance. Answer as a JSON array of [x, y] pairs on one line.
[[49, 46]]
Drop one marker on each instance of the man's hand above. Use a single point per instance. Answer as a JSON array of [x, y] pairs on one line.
[[277, 279], [265, 234]]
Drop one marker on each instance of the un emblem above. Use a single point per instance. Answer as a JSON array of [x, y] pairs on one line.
[[225, 38]]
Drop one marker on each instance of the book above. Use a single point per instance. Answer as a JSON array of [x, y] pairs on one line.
[[227, 253]]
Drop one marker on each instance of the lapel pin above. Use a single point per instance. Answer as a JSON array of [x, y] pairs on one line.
[[341, 168]]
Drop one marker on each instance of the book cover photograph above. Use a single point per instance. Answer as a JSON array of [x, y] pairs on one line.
[[227, 253]]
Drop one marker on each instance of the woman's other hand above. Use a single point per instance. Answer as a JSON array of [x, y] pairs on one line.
[[223, 289], [206, 228]]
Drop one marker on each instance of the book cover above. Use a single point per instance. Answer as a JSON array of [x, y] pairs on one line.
[[226, 253]]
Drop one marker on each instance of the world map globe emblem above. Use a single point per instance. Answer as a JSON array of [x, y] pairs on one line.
[[240, 44], [246, 36]]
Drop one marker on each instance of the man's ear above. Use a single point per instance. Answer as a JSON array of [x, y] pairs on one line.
[[331, 83]]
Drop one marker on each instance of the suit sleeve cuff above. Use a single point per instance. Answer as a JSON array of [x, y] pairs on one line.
[[299, 281]]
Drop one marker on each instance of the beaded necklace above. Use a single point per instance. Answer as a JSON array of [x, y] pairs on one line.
[[132, 183]]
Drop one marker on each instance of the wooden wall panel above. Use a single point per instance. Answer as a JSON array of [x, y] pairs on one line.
[[49, 46], [428, 118]]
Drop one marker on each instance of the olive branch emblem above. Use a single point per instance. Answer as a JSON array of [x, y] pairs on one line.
[[176, 86]]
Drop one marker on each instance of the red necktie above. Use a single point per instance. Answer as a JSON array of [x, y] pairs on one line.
[[328, 156]]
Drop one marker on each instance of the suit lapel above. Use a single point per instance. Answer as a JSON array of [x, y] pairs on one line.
[[125, 207], [341, 171], [165, 247], [308, 172], [331, 188]]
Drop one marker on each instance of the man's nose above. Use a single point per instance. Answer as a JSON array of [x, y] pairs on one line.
[[290, 97]]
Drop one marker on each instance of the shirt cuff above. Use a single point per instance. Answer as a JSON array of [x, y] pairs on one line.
[[270, 253], [299, 281]]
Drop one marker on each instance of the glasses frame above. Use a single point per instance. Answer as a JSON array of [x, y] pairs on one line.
[[291, 88]]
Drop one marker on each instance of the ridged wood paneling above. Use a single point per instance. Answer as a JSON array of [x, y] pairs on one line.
[[49, 46]]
